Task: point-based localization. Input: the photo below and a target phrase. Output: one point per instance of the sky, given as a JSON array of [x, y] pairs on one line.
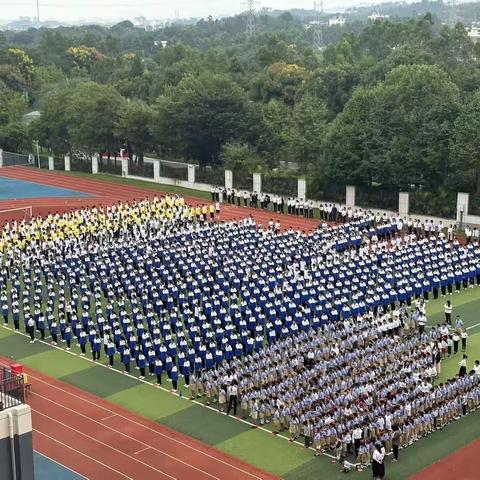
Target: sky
[[69, 10]]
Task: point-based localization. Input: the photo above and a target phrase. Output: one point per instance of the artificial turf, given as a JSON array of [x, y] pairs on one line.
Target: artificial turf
[[258, 447]]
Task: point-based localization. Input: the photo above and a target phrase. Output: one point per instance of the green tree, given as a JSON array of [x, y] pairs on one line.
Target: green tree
[[465, 151], [92, 113], [309, 126], [199, 115], [134, 128], [396, 133]]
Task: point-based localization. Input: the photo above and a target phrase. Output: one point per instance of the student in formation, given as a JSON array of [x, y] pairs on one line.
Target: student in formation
[[448, 312], [464, 336], [463, 366]]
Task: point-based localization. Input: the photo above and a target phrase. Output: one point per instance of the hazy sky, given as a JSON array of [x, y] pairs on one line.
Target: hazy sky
[[114, 9]]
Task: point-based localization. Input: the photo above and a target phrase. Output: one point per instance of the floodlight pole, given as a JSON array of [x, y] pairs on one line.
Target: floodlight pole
[[37, 144]]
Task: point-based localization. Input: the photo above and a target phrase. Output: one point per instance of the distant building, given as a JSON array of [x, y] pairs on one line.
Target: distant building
[[140, 22], [339, 21], [30, 117], [474, 32], [377, 16]]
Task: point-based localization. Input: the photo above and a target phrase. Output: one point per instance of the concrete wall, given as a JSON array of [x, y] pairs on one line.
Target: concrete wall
[[22, 428], [350, 193], [301, 188], [95, 164], [257, 182], [404, 203], [228, 179]]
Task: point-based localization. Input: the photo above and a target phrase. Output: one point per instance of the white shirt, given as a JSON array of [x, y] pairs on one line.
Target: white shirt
[[379, 456]]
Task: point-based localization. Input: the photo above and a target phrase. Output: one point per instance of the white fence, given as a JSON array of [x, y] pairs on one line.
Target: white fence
[[184, 175]]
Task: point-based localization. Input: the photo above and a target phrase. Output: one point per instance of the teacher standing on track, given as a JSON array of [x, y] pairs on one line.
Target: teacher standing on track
[[378, 461]]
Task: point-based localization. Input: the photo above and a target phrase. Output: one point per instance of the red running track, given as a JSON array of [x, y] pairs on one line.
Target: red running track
[[103, 441], [463, 464], [109, 193]]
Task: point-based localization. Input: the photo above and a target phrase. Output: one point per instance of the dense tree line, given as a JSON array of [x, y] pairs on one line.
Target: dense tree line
[[394, 105]]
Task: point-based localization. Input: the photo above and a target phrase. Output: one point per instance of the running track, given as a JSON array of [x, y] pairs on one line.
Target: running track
[[462, 464], [109, 193], [103, 441]]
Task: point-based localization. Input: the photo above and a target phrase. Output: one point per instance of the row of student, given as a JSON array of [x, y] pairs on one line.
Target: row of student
[[157, 216], [276, 203], [348, 384], [292, 319], [321, 309], [142, 260], [212, 313], [137, 234], [338, 213]]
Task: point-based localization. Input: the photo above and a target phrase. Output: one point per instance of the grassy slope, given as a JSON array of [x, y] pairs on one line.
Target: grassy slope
[[255, 446]]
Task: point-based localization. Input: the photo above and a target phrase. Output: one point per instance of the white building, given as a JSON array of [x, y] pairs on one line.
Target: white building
[[377, 16], [474, 32], [339, 21]]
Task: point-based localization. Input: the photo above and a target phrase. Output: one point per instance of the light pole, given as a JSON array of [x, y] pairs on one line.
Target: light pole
[[37, 144]]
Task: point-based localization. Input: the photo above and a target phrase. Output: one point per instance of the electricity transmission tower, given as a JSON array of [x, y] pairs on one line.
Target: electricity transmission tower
[[251, 26], [454, 18], [317, 26]]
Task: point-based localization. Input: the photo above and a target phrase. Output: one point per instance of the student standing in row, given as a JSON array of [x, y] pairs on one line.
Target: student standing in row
[[174, 378], [31, 329], [463, 366], [456, 339], [232, 395], [448, 312], [464, 336], [378, 461], [396, 438]]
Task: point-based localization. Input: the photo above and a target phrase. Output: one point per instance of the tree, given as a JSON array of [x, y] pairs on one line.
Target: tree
[[91, 114], [83, 118], [22, 61], [309, 126], [13, 136], [85, 57], [134, 128], [51, 129], [12, 106], [274, 139], [333, 84], [465, 147], [238, 156], [194, 119], [397, 132]]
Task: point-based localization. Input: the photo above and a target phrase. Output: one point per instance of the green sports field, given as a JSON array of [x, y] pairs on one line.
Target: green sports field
[[256, 446]]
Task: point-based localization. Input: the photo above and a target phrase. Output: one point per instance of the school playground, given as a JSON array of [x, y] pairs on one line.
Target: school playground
[[93, 422]]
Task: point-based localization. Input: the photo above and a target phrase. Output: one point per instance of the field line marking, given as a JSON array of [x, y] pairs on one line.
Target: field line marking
[[81, 453], [145, 445], [99, 441], [60, 464], [168, 391]]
